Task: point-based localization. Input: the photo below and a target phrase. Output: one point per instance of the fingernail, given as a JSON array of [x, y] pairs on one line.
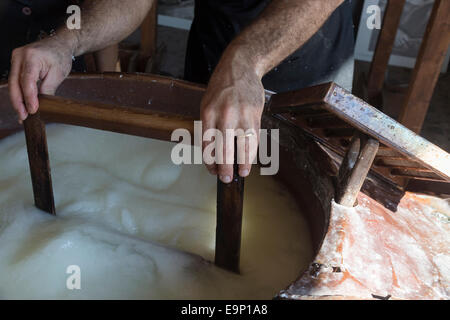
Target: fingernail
[[244, 173], [225, 179]]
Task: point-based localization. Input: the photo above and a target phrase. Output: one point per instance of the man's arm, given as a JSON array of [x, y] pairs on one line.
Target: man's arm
[[283, 27], [103, 23], [235, 95]]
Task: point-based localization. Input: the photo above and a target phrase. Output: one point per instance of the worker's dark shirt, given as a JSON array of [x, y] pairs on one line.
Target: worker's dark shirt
[[217, 22], [25, 21]]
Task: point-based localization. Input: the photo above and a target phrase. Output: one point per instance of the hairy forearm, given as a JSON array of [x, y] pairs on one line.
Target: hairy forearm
[[283, 27], [104, 23]]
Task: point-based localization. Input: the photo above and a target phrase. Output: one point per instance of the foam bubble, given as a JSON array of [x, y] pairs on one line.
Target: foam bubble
[[136, 225]]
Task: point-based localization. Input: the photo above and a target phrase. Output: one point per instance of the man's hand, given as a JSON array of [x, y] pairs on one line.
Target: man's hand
[[234, 100], [41, 67], [235, 96], [37, 68]]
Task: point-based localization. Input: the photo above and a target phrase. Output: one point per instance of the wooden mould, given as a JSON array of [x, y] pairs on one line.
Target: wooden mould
[[138, 122], [152, 106], [330, 115]]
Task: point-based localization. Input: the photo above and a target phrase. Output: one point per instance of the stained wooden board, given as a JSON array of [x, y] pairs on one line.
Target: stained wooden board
[[121, 119], [230, 205], [39, 163]]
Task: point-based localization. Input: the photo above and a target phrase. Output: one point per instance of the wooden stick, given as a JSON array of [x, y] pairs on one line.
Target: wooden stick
[[39, 163], [383, 49], [354, 168], [230, 199], [428, 67]]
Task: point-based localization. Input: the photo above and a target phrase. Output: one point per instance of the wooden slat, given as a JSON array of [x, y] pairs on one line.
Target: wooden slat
[[339, 132], [148, 37], [39, 163], [148, 31], [312, 112], [306, 98], [383, 49], [327, 122], [428, 65], [230, 201], [433, 187], [414, 170], [127, 120], [416, 177], [397, 161]]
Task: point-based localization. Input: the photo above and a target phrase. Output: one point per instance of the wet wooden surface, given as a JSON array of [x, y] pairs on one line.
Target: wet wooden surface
[[121, 119], [230, 205], [39, 163]]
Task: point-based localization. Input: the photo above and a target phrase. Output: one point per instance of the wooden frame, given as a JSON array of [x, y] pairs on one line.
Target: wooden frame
[[399, 153], [332, 99], [133, 121], [37, 149], [327, 99]]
